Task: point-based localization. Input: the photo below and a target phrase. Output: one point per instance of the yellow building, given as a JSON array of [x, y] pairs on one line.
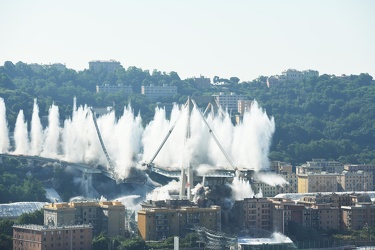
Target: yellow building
[[104, 216], [315, 182], [162, 220]]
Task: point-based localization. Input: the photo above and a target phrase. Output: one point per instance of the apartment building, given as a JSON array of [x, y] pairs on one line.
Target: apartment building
[[104, 216], [357, 216], [160, 220], [106, 88], [362, 167], [284, 212], [271, 191], [355, 181], [254, 213], [320, 165], [283, 169], [37, 237], [317, 182], [108, 66], [229, 101], [155, 92]]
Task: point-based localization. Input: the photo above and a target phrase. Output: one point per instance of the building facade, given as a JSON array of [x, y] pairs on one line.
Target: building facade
[[320, 165], [358, 216], [37, 237], [106, 88], [229, 101], [155, 92], [315, 182], [105, 216], [108, 66], [362, 167], [355, 181], [254, 214], [157, 221]]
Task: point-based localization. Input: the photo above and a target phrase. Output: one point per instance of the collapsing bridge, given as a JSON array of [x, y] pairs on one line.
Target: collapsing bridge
[[186, 174]]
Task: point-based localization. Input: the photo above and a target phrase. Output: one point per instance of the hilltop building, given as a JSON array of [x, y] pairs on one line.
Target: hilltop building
[[155, 92], [108, 66], [39, 67], [158, 220], [37, 237], [292, 75], [114, 88], [105, 216], [202, 82]]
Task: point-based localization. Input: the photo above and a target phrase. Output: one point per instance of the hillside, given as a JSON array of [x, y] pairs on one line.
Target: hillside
[[323, 117]]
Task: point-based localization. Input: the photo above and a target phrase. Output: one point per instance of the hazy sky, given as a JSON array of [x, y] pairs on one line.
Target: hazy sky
[[240, 38]]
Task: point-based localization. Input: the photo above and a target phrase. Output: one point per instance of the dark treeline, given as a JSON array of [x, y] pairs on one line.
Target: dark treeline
[[323, 117]]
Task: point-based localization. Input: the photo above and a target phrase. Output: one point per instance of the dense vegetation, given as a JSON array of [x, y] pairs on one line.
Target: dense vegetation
[[6, 230], [18, 184], [324, 117]]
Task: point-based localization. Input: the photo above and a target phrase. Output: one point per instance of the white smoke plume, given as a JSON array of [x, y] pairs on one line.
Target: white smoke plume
[[36, 131], [20, 135], [271, 179], [164, 192], [128, 142], [4, 132], [52, 134]]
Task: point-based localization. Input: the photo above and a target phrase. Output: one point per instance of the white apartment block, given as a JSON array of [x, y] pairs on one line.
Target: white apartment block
[[155, 92], [229, 101], [114, 88]]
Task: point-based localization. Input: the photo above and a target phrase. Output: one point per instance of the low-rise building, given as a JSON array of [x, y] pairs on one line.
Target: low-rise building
[[37, 237]]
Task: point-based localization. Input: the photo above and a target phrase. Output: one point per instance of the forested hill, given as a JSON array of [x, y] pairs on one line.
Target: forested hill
[[324, 117]]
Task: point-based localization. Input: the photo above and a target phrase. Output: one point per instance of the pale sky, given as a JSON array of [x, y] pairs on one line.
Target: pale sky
[[241, 38]]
